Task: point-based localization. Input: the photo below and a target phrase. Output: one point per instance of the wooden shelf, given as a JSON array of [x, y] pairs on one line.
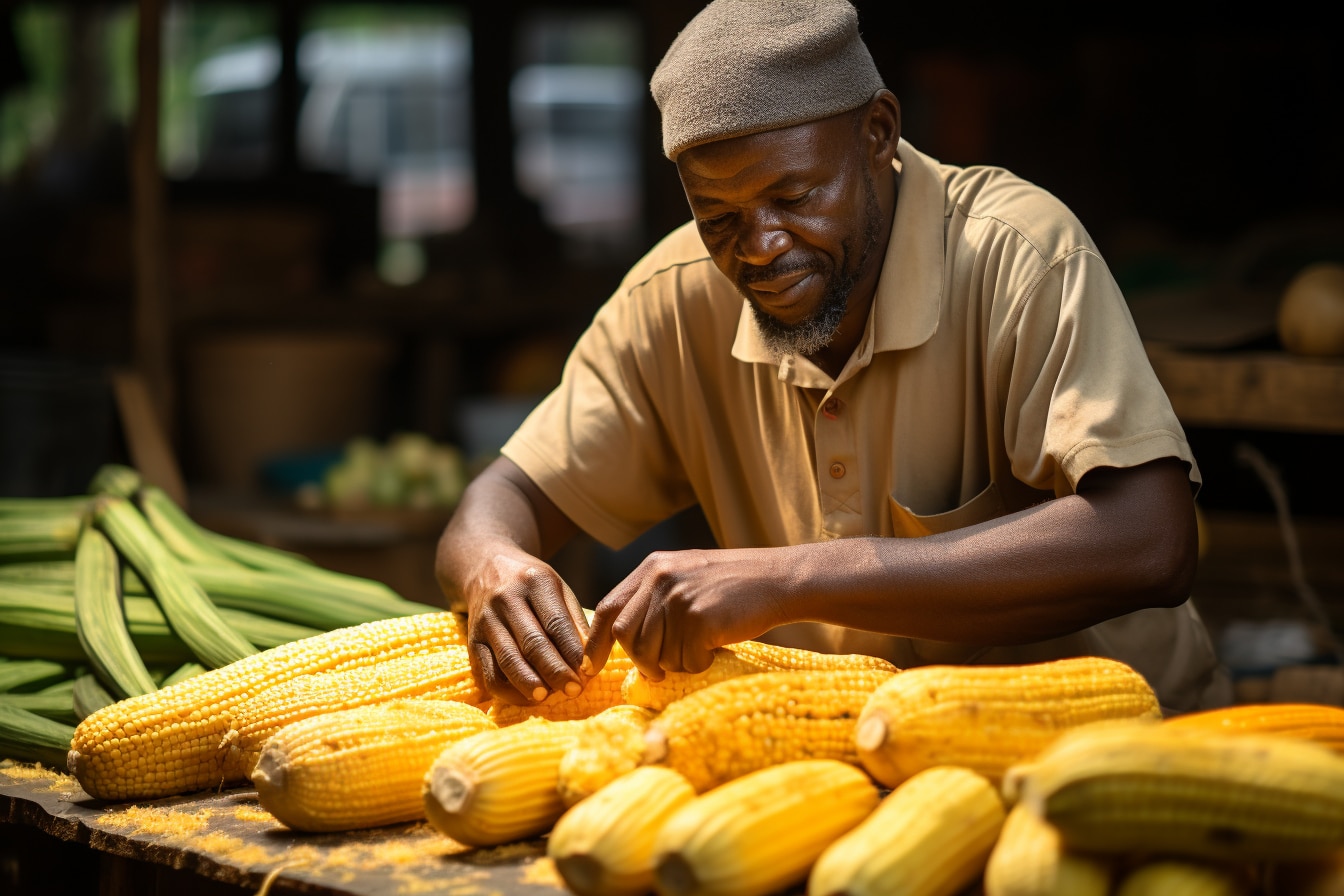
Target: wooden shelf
[[1254, 390]]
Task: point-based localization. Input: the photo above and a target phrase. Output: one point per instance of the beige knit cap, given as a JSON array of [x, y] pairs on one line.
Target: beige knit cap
[[745, 66]]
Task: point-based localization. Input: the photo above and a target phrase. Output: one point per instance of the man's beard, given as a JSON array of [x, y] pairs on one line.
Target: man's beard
[[807, 337]]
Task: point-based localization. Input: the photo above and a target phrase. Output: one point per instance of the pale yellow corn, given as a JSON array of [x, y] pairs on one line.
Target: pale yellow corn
[[603, 846], [1030, 860], [1310, 721], [987, 718], [760, 833], [737, 726], [602, 691], [930, 836], [610, 744], [444, 674], [499, 786], [733, 660], [1147, 787], [1181, 877], [361, 767], [176, 740]]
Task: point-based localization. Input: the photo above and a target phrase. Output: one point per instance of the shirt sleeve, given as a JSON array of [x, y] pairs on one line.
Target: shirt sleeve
[[1076, 387]]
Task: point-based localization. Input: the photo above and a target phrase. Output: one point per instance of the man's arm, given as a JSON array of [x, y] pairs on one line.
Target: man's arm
[[525, 627], [1127, 540]]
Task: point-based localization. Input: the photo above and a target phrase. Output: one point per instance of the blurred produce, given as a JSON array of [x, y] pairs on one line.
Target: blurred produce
[[1311, 311], [410, 470]]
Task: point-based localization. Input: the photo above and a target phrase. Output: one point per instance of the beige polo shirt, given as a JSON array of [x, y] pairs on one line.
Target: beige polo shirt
[[999, 364]]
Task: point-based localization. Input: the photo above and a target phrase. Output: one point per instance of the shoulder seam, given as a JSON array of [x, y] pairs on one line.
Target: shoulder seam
[[663, 270]]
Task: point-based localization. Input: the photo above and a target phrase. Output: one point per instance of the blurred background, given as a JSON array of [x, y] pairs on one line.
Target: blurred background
[[308, 263]]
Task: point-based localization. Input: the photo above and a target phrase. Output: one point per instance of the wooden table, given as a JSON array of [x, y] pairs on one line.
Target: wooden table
[[55, 839]]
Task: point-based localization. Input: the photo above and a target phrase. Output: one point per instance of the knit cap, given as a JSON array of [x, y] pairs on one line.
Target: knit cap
[[746, 66]]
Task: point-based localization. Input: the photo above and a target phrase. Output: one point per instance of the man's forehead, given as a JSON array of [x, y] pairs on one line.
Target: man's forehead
[[782, 151]]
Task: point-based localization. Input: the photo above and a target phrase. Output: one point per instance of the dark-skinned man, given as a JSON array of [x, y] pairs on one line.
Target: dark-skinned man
[[907, 396]]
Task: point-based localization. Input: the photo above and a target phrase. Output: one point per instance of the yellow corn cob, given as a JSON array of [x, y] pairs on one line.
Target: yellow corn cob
[[361, 767], [444, 674], [610, 744], [1311, 721], [761, 832], [603, 846], [723, 731], [1124, 787], [931, 835], [1179, 877], [176, 740], [1030, 860], [733, 660], [602, 691], [987, 718], [499, 786]]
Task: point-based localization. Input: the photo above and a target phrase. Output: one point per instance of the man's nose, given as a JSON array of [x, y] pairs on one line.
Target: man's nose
[[762, 240]]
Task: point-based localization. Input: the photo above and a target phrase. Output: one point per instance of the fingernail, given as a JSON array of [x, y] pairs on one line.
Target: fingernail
[[586, 667], [539, 694], [573, 689]]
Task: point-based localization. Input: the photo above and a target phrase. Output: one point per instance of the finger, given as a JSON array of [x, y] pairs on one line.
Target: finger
[[601, 638], [642, 647], [576, 613], [694, 651], [556, 617], [543, 669], [490, 677]]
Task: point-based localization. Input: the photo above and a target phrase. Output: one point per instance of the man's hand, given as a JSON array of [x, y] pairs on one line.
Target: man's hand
[[677, 606], [525, 630]]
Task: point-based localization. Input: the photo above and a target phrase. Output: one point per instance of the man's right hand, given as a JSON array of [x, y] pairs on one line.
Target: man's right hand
[[525, 631]]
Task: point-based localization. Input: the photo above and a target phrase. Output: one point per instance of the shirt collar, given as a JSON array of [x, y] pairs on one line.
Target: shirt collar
[[909, 292]]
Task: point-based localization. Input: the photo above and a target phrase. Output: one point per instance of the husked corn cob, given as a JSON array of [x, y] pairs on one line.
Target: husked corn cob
[[733, 660], [361, 767], [737, 726], [761, 832], [176, 740], [1180, 877], [610, 744], [28, 737], [930, 836], [1311, 721], [987, 718], [184, 603], [603, 846], [1145, 787], [100, 624], [443, 674], [499, 786], [602, 691], [1030, 860]]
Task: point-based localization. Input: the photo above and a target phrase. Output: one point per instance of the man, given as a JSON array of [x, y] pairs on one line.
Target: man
[[908, 397]]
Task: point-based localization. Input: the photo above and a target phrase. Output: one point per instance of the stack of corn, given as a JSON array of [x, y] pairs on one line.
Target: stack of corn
[[118, 593]]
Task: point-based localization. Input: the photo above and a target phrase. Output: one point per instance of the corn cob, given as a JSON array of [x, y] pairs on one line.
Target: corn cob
[[443, 674], [116, 479], [27, 737], [176, 740], [1145, 787], [1312, 721], [176, 529], [761, 832], [611, 744], [1181, 877], [733, 660], [88, 696], [602, 691], [100, 624], [55, 702], [728, 729], [21, 676], [1030, 860], [987, 718], [361, 767], [604, 845], [39, 536], [931, 835], [185, 605], [499, 786]]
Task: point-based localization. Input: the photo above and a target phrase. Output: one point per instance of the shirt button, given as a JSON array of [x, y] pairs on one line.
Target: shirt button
[[832, 407], [837, 470]]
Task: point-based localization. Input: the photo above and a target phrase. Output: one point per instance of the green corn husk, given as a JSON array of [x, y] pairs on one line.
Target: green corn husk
[[89, 696], [27, 737], [100, 622], [182, 673], [27, 507], [55, 702], [39, 536], [185, 604], [116, 479], [27, 675], [183, 536], [304, 600], [59, 575]]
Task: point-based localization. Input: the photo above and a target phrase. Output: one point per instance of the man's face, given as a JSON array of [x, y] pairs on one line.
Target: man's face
[[792, 218]]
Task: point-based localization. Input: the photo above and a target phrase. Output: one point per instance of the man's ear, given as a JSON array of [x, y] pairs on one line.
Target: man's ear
[[883, 128]]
